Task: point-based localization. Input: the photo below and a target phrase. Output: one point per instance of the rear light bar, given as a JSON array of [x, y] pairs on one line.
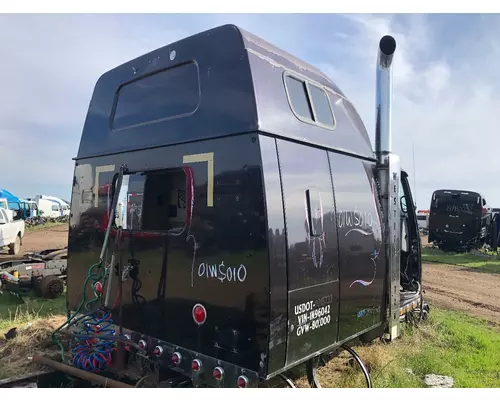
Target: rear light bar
[[196, 365], [176, 358], [218, 373], [127, 346], [242, 381], [158, 351]]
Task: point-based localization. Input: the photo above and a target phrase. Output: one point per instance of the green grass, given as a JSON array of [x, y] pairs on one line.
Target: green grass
[[449, 343], [472, 261], [12, 309], [459, 346], [48, 225], [35, 322]]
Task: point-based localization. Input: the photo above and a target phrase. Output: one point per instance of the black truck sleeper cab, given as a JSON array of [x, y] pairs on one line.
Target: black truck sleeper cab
[[248, 220]]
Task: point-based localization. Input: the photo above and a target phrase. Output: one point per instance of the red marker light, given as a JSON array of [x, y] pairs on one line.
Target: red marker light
[[158, 351], [176, 358], [126, 346], [199, 314], [242, 381], [196, 365], [143, 344], [218, 373], [98, 287]]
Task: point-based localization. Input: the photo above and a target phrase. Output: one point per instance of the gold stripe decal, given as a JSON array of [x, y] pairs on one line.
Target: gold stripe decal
[[99, 170], [209, 159]]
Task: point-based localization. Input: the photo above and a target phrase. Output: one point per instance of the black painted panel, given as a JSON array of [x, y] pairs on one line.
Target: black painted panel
[[362, 261]]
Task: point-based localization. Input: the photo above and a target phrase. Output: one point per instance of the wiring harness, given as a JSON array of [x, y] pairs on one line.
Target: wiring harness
[[94, 339], [90, 352]]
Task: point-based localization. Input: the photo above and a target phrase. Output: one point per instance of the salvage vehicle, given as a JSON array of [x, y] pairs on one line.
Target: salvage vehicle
[[44, 271], [423, 221], [64, 208], [257, 228], [34, 208], [11, 230], [12, 202], [460, 220], [48, 208]]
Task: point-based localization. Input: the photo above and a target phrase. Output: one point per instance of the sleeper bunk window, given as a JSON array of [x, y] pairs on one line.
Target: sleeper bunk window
[[309, 102], [167, 94]]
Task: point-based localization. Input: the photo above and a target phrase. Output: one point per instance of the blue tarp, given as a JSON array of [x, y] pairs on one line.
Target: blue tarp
[[15, 203], [8, 195]]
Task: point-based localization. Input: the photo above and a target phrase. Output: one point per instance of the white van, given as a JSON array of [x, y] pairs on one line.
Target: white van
[[64, 207], [48, 208], [423, 220]]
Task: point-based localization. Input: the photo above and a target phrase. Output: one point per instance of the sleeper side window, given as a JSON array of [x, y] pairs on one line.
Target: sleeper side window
[[153, 201], [309, 102], [321, 105], [298, 98]]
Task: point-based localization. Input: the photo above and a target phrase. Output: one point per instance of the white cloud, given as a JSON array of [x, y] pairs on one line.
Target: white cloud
[[447, 110], [446, 100], [50, 67]]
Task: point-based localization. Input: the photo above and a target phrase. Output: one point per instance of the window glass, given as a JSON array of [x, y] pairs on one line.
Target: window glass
[[169, 93], [321, 106], [402, 199], [298, 98], [152, 201], [309, 102]]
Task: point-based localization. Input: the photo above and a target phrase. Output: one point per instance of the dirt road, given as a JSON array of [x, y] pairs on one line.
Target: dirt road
[[476, 293], [445, 285]]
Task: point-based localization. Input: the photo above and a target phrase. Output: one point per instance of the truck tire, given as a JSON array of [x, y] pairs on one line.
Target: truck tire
[[15, 247], [50, 287]]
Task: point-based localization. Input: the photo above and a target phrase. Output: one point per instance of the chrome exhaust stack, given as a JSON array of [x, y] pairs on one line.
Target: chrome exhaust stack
[[389, 176], [383, 132]]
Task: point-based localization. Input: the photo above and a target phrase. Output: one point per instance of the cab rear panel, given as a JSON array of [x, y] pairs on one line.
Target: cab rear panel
[[221, 261]]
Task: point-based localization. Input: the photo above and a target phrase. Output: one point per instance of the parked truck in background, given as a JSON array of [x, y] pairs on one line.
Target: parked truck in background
[[62, 208], [460, 220], [48, 208], [423, 221], [11, 231]]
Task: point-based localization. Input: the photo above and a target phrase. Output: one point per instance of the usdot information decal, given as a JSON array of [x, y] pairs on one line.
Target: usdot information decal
[[313, 315]]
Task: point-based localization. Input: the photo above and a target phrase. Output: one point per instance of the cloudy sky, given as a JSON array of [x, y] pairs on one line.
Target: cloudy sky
[[446, 81]]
